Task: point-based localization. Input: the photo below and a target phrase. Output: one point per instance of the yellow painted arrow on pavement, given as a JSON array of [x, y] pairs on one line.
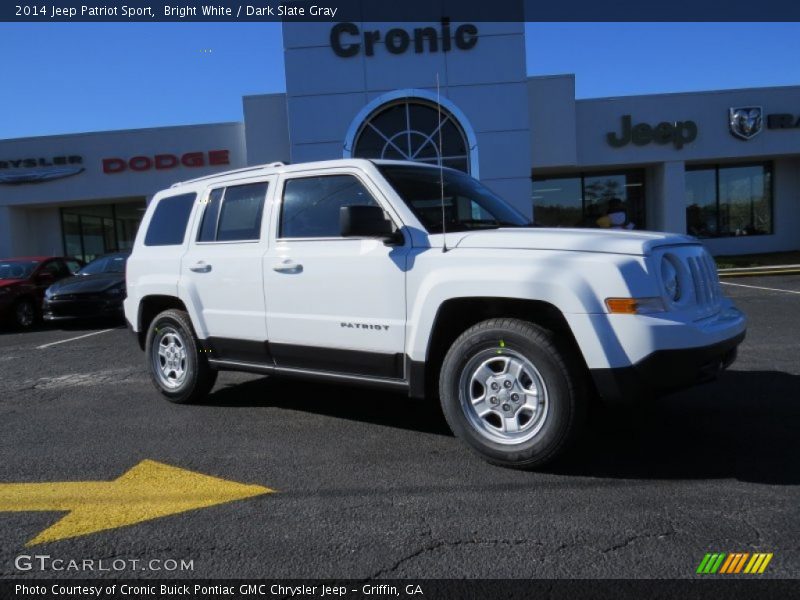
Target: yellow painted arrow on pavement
[[147, 491]]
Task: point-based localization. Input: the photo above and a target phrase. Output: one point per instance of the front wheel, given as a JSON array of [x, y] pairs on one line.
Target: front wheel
[[511, 393], [177, 368]]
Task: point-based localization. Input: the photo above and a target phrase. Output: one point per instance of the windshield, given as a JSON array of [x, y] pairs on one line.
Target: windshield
[[468, 204], [105, 264], [17, 269]]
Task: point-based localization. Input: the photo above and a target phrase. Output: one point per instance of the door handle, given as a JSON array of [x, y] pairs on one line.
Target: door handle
[[201, 267], [288, 266]]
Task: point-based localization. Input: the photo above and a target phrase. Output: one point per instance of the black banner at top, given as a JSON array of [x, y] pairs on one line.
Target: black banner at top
[[151, 11]]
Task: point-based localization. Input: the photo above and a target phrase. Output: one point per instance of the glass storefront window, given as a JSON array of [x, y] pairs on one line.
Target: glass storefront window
[[558, 202], [587, 200], [701, 202], [93, 230], [72, 235], [729, 201], [127, 217], [93, 238]]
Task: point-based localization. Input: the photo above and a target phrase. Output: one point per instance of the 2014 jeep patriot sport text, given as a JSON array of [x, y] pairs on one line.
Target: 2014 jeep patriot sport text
[[341, 271]]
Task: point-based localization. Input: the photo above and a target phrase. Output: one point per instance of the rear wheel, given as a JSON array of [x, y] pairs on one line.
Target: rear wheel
[[24, 313], [177, 367], [511, 393]]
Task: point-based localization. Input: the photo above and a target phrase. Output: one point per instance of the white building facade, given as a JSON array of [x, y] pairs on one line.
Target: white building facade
[[722, 165]]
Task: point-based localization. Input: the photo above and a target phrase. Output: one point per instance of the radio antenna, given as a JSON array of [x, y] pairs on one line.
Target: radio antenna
[[441, 166]]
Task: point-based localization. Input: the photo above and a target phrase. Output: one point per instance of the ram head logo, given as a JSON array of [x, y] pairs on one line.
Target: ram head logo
[[746, 121]]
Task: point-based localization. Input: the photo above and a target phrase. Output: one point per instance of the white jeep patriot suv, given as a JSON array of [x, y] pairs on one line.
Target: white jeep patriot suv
[[409, 277]]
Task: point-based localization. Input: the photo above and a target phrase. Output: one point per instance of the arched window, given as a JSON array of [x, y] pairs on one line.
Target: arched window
[[409, 129]]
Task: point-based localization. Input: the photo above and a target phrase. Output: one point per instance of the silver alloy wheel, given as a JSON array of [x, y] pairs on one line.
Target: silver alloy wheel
[[170, 358], [503, 396], [25, 314]]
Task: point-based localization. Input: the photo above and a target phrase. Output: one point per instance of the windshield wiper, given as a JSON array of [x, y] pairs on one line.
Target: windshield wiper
[[477, 223], [510, 224]]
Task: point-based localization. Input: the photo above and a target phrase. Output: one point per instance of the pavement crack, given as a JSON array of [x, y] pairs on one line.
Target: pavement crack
[[636, 538], [759, 536], [436, 545]]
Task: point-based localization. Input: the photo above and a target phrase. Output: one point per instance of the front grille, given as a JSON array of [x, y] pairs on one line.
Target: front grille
[[706, 284], [73, 297]]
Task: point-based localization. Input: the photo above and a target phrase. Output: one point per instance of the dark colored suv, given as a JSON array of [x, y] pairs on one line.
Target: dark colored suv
[[23, 282]]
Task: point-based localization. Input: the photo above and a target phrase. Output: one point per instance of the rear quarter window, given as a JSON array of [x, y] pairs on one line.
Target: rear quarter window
[[170, 218], [233, 214]]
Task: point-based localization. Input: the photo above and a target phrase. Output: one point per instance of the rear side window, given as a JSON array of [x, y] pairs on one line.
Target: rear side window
[[310, 207], [168, 225], [56, 268], [208, 228], [233, 214]]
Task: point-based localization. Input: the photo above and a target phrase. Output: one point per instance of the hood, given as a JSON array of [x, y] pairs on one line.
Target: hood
[[10, 282], [610, 241], [87, 284]]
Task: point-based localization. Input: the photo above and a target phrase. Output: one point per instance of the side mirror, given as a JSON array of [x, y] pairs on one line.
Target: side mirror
[[364, 221]]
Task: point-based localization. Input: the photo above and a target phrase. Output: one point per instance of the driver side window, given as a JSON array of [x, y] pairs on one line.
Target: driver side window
[[310, 207], [55, 269]]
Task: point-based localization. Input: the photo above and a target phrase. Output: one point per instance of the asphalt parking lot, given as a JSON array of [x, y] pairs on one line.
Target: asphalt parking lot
[[372, 485]]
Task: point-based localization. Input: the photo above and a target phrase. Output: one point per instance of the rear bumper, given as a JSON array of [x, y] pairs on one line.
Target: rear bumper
[[665, 371]]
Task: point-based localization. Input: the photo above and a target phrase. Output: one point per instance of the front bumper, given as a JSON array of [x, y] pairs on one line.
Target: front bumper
[[665, 371], [81, 308]]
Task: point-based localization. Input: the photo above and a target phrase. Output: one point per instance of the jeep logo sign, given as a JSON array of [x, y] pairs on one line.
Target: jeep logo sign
[[347, 39], [676, 133]]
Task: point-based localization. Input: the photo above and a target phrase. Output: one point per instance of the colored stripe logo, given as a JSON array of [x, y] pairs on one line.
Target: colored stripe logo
[[734, 563]]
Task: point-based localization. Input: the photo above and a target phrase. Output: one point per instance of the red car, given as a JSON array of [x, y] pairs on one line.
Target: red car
[[23, 282]]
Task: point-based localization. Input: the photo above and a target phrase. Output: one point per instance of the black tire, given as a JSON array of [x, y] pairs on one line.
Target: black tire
[[25, 314], [198, 376], [555, 413]]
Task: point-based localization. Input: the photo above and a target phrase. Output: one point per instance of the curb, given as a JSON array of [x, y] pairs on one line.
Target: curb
[[757, 271]]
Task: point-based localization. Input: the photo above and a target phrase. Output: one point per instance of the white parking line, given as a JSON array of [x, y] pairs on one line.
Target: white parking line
[[758, 287], [80, 337]]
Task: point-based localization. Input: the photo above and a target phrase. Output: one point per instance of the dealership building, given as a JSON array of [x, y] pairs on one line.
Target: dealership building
[[721, 165]]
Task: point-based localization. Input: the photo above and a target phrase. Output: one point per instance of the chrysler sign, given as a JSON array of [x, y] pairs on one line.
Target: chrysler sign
[[38, 170]]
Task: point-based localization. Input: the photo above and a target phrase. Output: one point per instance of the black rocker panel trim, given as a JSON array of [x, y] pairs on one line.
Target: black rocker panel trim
[[335, 360], [238, 350]]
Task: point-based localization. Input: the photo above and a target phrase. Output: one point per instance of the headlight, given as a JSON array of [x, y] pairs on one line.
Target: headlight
[[670, 279], [116, 292], [48, 293]]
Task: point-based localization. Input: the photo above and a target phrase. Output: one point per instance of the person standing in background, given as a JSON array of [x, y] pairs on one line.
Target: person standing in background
[[616, 217]]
